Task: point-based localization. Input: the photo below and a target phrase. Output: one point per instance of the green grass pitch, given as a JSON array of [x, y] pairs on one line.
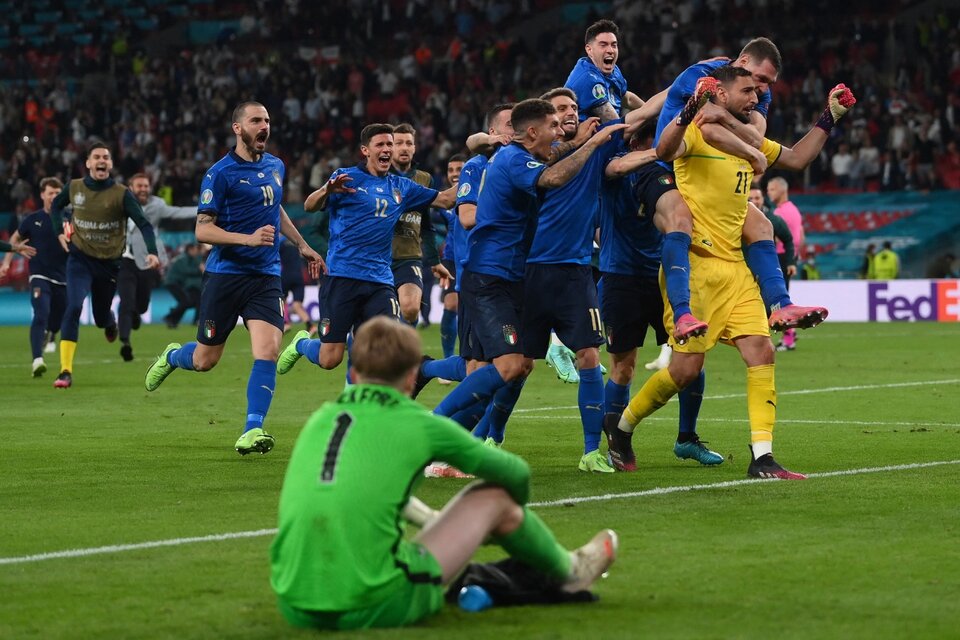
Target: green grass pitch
[[870, 554]]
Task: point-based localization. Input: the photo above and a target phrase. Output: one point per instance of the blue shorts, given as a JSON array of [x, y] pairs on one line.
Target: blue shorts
[[452, 283], [226, 297], [652, 182], [469, 346], [407, 272], [346, 303], [494, 314], [628, 306], [293, 286], [561, 297]]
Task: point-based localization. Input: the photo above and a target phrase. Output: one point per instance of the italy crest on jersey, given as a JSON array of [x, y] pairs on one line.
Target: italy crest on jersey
[[396, 196], [276, 178], [509, 334]]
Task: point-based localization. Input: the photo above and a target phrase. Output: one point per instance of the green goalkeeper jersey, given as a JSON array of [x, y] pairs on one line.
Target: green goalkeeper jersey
[[354, 466]]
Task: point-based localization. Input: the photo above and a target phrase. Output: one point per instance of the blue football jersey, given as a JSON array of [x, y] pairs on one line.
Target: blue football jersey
[[507, 211], [684, 86], [471, 177], [361, 223], [569, 214], [629, 241], [449, 219], [593, 87], [244, 196], [50, 263]]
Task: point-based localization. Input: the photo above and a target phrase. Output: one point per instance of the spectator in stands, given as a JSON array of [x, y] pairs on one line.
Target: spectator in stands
[[886, 264], [946, 266], [867, 267], [948, 167], [840, 164]]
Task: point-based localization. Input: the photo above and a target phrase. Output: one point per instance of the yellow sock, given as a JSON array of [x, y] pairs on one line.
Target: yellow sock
[[654, 393], [761, 405], [67, 349]]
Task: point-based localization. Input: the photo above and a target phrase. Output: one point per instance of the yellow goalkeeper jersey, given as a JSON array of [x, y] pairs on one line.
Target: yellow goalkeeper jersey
[[715, 186]]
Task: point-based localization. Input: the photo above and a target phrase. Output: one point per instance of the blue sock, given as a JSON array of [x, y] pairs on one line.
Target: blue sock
[[690, 399], [310, 349], [448, 333], [479, 385], [260, 387], [500, 409], [762, 259], [675, 258], [615, 397], [349, 349], [450, 368], [469, 417], [590, 399], [182, 358]]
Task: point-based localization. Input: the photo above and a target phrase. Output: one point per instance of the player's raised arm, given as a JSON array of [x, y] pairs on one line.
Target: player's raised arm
[[628, 163], [839, 101], [560, 173], [671, 145], [649, 110], [336, 184], [445, 199]]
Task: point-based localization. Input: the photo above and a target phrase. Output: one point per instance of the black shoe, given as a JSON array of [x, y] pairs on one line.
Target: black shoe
[[422, 380], [126, 352], [766, 467], [137, 321], [619, 446], [111, 332]]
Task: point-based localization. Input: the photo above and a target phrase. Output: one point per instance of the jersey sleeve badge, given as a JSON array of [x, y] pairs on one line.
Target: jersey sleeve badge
[[599, 91], [206, 197], [464, 190]]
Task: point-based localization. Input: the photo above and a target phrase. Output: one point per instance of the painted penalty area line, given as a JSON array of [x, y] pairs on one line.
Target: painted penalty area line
[[658, 491]]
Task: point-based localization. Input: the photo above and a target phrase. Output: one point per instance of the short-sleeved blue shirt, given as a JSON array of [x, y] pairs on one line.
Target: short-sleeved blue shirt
[[244, 196], [593, 87], [361, 223], [507, 210]]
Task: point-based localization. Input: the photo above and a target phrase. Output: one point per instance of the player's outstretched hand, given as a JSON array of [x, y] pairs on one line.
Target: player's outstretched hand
[[710, 113], [153, 262], [604, 134], [315, 263], [64, 242], [706, 88], [586, 130], [262, 237], [24, 249], [759, 162], [839, 101], [339, 184]]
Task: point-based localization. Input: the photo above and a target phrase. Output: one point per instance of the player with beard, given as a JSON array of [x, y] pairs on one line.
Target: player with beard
[[364, 203], [241, 216], [409, 254], [95, 238], [716, 183]]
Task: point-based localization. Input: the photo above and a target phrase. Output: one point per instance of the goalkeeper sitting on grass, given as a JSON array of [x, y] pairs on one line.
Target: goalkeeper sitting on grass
[[340, 559]]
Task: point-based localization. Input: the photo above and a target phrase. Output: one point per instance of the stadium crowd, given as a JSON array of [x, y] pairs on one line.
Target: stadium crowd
[[154, 86]]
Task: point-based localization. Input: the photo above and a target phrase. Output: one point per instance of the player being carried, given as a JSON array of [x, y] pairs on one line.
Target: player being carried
[[716, 184]]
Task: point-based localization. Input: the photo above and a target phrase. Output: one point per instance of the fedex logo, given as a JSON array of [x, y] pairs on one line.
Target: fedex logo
[[938, 301]]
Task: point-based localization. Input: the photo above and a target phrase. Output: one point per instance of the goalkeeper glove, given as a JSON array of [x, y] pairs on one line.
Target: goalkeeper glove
[[706, 89], [839, 101]]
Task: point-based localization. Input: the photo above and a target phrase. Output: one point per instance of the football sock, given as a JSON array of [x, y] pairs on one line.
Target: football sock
[[761, 407], [450, 368], [448, 333], [691, 397], [654, 393], [67, 349], [260, 387], [675, 258], [534, 543], [469, 418], [500, 408], [615, 397], [349, 348], [310, 349], [590, 399], [182, 358], [762, 259], [479, 385]]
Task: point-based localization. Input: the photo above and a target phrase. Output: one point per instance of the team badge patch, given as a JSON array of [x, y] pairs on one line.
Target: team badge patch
[[533, 165], [464, 190], [79, 199], [509, 334], [276, 178], [599, 91], [396, 196], [209, 329], [325, 326], [206, 197], [665, 180]]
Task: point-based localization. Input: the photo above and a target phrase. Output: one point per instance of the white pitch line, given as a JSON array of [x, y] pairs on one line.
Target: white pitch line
[[796, 392], [658, 491]]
